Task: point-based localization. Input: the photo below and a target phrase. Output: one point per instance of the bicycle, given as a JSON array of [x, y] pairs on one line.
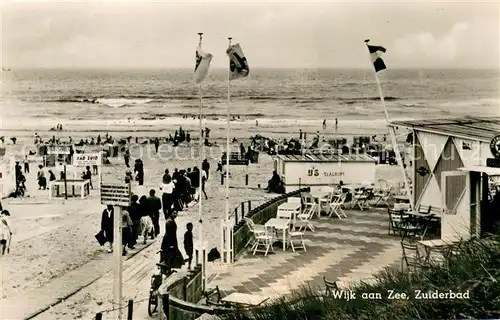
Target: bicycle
[[156, 282]]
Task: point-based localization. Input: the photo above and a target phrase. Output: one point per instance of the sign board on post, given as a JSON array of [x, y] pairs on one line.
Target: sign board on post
[[58, 150], [116, 194], [87, 159]]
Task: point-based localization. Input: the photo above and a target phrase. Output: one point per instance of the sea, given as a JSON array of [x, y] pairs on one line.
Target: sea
[[33, 99]]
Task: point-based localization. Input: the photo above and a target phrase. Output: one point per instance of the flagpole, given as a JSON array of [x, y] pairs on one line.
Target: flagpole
[[200, 198], [228, 123], [392, 134]]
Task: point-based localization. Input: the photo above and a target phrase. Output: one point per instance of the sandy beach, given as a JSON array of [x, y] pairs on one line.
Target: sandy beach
[[53, 238]]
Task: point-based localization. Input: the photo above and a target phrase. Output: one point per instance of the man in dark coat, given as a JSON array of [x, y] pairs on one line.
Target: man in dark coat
[[107, 225], [205, 166], [135, 215], [139, 171], [154, 207]]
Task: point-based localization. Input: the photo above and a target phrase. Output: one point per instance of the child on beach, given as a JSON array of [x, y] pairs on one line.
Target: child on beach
[[188, 243], [5, 231]]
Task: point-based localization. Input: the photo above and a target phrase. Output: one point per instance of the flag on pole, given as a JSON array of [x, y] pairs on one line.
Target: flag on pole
[[202, 65], [375, 52], [238, 64]]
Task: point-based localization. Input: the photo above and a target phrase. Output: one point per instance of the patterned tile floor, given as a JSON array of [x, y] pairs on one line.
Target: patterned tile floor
[[346, 250]]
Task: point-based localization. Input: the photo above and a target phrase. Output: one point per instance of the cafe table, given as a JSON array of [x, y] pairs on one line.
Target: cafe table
[[439, 244], [279, 224], [290, 207]]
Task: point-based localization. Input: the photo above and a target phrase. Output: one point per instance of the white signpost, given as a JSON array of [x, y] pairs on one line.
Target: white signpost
[[58, 150], [89, 159], [117, 195]]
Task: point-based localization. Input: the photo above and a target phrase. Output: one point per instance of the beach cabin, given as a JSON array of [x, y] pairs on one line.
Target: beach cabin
[[310, 170], [456, 169]]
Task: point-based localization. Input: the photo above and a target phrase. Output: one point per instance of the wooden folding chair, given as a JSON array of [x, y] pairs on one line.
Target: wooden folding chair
[[411, 256], [336, 206]]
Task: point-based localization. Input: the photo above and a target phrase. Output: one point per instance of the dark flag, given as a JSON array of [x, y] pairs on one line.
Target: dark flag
[[238, 64], [375, 52]]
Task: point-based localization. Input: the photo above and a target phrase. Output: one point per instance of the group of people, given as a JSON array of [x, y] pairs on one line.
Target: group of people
[[141, 218], [183, 187]]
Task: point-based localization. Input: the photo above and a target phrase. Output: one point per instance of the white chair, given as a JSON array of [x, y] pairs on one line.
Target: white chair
[[309, 203], [315, 190], [306, 215], [327, 189], [296, 236], [325, 202], [255, 229], [264, 241], [282, 214], [360, 198], [336, 206], [293, 200]]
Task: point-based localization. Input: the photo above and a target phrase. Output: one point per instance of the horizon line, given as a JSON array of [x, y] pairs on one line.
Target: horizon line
[[10, 68]]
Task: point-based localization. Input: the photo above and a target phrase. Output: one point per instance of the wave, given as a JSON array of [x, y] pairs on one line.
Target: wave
[[160, 116], [144, 99], [122, 102]]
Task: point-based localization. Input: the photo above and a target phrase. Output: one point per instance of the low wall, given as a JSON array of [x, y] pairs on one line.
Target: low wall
[[259, 215], [179, 296]]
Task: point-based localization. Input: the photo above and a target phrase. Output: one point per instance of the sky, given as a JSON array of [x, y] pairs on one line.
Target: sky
[[286, 34]]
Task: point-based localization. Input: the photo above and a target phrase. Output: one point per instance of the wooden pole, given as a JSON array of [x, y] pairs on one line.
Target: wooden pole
[[117, 259], [65, 183], [130, 311], [228, 123], [392, 134], [200, 197]]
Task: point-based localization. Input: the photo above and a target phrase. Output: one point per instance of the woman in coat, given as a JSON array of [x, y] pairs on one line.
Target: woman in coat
[[107, 225]]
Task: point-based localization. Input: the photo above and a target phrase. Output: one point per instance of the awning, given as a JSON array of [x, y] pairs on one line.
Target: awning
[[488, 170]]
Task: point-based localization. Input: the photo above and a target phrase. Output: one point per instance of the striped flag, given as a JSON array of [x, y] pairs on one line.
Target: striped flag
[[202, 65], [238, 64], [375, 52]]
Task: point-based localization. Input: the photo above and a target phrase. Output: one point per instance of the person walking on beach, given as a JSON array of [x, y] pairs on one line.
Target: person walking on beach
[[154, 207], [107, 225], [26, 165], [5, 231], [336, 123], [157, 144], [205, 166], [203, 180], [135, 215], [324, 124], [139, 171], [88, 176], [168, 195], [126, 157], [188, 243], [127, 232], [42, 181], [170, 254]]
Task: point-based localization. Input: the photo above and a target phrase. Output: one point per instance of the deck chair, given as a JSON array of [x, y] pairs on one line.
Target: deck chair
[[336, 206]]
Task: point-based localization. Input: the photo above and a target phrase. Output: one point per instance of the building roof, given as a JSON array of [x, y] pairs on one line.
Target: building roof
[[473, 128], [325, 157]]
